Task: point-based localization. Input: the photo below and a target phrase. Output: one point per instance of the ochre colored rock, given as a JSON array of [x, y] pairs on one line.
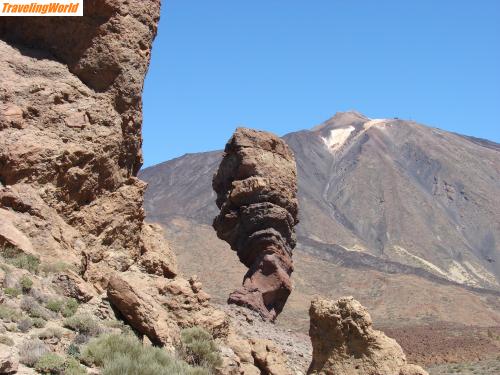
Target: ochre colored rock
[[159, 308], [256, 186], [344, 342]]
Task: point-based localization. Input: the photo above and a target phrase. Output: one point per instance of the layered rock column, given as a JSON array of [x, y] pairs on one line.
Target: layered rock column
[[256, 186]]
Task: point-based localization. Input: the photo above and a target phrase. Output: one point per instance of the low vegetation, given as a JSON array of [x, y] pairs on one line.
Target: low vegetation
[[24, 325], [12, 292], [65, 306], [51, 363], [31, 351], [51, 332], [198, 348], [6, 340], [26, 284], [8, 314], [83, 324], [20, 260], [34, 309], [125, 355], [56, 267]]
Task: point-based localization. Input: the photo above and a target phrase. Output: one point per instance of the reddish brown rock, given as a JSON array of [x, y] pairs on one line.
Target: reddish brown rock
[[344, 342], [256, 186], [70, 138]]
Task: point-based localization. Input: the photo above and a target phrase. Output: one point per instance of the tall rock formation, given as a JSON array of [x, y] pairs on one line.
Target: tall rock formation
[[344, 342], [256, 186], [70, 138]]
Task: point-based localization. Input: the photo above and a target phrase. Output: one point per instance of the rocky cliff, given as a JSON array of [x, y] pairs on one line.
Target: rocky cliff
[[256, 186], [70, 144]]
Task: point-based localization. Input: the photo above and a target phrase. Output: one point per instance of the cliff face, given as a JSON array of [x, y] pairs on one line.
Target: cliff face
[[256, 186], [70, 138]]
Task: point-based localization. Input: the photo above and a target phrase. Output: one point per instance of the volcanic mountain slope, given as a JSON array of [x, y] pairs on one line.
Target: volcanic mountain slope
[[402, 216]]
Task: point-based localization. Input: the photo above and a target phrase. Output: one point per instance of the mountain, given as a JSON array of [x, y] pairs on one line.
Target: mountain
[[390, 211]]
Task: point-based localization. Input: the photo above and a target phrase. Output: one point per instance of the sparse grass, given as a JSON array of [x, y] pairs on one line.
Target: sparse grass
[[125, 355], [83, 324], [26, 284], [118, 324], [31, 351], [199, 348], [34, 309], [9, 314], [12, 292], [24, 325], [6, 340], [67, 307], [20, 260], [39, 322], [51, 332], [55, 267]]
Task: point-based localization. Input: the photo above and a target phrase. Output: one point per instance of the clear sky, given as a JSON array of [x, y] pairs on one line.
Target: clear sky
[[287, 65]]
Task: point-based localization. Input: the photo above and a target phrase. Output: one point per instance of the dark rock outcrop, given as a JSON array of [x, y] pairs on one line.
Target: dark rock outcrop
[[256, 186], [344, 342]]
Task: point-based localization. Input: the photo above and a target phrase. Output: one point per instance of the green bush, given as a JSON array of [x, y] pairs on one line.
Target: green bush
[[125, 355], [50, 363], [26, 284], [83, 324], [39, 322], [73, 367], [199, 348], [31, 351], [24, 325], [12, 292], [54, 305], [6, 340], [69, 308], [9, 314], [20, 260]]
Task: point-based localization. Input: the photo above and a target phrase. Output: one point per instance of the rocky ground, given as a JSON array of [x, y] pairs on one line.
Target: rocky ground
[[488, 367]]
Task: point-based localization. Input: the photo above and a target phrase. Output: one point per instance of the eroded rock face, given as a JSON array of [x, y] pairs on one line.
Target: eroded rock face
[[159, 307], [256, 186], [70, 138], [344, 342]]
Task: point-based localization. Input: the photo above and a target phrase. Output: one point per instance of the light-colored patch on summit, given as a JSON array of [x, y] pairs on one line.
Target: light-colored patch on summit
[[337, 137], [420, 261], [380, 122]]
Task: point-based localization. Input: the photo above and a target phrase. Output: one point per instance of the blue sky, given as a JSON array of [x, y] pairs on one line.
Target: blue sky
[[287, 65]]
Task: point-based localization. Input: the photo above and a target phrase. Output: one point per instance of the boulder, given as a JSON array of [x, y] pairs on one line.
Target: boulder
[[9, 359], [159, 308], [345, 342]]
